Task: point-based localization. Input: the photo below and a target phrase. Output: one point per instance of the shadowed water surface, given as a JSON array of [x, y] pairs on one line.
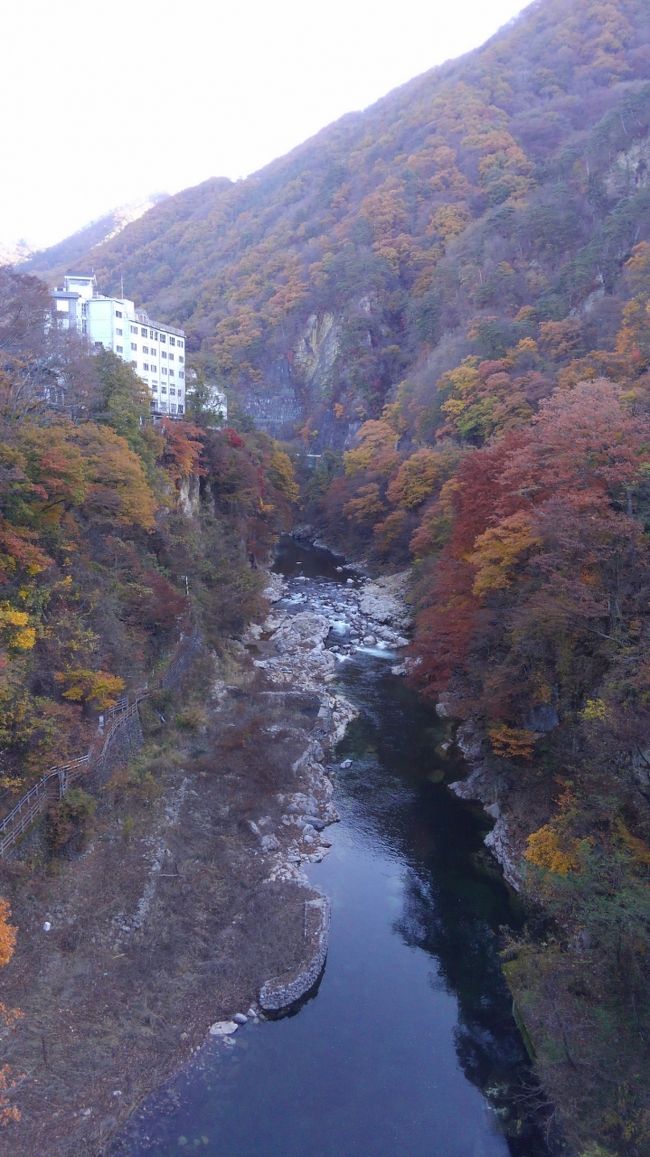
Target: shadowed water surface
[[408, 1047]]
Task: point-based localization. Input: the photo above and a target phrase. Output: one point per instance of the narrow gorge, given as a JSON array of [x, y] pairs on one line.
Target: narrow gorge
[[406, 1041]]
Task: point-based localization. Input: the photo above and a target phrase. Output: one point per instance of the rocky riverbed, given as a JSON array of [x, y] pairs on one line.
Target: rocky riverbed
[[411, 989], [188, 906]]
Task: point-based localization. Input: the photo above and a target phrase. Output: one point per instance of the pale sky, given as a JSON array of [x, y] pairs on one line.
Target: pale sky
[[104, 103]]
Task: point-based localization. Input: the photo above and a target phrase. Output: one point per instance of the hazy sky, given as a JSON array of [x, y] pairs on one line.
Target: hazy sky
[[105, 103]]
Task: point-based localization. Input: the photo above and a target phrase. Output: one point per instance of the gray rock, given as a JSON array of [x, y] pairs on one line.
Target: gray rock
[[316, 823], [383, 600], [222, 1028], [269, 843], [302, 804], [240, 1018], [345, 764]]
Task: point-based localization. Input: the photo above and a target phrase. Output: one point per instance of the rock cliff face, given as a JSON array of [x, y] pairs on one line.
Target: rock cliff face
[[300, 384], [503, 840], [630, 171], [317, 350], [277, 412]]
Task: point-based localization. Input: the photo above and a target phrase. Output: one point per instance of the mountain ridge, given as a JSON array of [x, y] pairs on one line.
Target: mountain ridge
[[377, 217], [53, 260]]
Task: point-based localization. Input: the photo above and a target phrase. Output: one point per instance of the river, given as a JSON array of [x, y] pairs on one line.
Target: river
[[408, 1046]]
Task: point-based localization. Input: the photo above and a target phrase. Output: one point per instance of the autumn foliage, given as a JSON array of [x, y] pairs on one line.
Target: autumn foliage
[[8, 1111], [7, 934], [100, 564]]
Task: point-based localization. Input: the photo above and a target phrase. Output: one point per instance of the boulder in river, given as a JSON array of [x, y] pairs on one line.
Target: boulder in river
[[223, 1028]]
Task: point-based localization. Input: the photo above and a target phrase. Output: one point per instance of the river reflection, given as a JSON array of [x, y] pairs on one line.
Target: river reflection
[[408, 1047]]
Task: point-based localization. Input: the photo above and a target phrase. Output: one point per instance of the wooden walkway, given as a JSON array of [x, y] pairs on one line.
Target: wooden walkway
[[52, 786]]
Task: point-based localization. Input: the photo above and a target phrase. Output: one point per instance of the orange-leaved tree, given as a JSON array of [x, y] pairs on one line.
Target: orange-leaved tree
[[8, 1112]]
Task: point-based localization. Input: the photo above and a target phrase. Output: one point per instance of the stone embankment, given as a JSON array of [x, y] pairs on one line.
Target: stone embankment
[[278, 993]]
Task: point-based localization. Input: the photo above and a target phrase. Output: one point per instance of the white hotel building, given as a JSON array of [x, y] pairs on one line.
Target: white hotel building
[[156, 352]]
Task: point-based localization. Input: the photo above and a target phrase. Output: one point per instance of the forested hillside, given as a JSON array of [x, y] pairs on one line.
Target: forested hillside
[[449, 295], [104, 554], [422, 231]]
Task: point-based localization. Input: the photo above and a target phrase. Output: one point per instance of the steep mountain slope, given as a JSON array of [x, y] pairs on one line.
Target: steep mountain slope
[[460, 277], [513, 178]]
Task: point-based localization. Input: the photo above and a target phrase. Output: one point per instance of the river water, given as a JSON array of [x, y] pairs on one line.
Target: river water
[[408, 1047]]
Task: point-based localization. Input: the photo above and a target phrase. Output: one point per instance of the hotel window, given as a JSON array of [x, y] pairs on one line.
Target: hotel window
[[181, 359], [153, 335], [134, 329], [145, 349], [162, 337], [118, 312], [180, 341], [145, 366], [171, 357], [172, 341], [172, 407], [118, 348], [180, 409], [171, 373], [172, 390], [163, 353], [118, 331], [143, 331], [181, 373], [163, 389], [134, 345]]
